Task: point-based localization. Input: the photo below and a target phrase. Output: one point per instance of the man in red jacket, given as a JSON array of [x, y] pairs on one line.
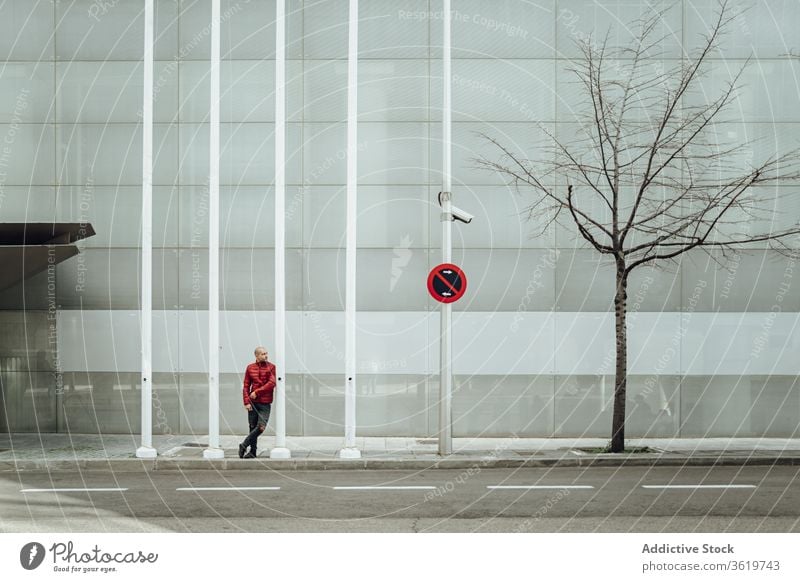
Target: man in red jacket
[[259, 384]]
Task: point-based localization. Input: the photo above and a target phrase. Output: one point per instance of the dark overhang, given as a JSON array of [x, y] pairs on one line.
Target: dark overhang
[[28, 248]]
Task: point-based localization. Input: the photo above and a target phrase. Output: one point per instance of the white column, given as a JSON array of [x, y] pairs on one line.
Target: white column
[[146, 450], [446, 349], [279, 358], [350, 451], [213, 451]]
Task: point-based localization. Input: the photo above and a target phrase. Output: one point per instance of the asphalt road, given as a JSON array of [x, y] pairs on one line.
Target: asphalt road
[[634, 499]]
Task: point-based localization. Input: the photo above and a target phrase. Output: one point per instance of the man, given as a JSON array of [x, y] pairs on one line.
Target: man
[[259, 385]]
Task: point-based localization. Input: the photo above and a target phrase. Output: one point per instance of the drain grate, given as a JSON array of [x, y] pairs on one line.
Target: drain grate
[[427, 441], [198, 445]]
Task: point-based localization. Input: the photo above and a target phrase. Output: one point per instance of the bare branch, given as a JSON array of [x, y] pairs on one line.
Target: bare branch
[[653, 157]]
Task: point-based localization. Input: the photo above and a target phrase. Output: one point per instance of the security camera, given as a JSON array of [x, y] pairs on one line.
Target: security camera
[[461, 215], [455, 212]]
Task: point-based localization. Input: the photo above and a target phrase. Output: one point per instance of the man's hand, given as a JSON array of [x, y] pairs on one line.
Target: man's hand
[[252, 396], [248, 407]]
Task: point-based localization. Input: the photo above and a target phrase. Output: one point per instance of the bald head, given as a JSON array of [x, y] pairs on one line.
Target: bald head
[[260, 353]]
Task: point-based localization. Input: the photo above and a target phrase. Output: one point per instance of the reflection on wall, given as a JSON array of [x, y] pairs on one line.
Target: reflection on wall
[[28, 386]]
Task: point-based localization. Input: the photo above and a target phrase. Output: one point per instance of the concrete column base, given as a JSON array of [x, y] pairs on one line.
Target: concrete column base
[[213, 454], [350, 453], [146, 453], [280, 453]]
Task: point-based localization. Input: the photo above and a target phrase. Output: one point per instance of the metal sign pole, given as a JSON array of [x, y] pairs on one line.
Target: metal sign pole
[[446, 354], [146, 450], [350, 451], [280, 451], [213, 451]]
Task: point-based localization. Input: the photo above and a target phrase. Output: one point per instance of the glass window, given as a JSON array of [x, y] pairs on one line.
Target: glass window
[[105, 31], [508, 30], [583, 406], [26, 93], [115, 214], [739, 406], [502, 406], [578, 20], [386, 29], [760, 28], [502, 279], [499, 90], [26, 31], [101, 278]]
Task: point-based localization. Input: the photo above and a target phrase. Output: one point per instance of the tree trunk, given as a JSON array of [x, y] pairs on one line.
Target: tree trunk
[[621, 379]]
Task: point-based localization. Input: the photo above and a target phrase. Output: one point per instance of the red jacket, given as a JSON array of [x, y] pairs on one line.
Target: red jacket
[[259, 378]]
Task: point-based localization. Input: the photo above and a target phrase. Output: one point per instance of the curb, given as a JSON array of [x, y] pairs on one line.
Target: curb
[[398, 464]]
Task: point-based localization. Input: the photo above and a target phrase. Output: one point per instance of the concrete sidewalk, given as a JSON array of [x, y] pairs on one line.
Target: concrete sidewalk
[[185, 452]]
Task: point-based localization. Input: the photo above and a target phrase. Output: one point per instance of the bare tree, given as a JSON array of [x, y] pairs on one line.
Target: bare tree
[[650, 176]]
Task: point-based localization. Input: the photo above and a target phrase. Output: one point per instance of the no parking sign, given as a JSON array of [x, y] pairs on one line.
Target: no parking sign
[[447, 283]]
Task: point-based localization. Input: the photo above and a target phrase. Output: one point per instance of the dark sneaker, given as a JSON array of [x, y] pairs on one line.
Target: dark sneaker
[[242, 449], [250, 455]]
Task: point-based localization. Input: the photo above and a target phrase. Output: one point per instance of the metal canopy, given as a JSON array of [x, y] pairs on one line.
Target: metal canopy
[[28, 248], [42, 233]]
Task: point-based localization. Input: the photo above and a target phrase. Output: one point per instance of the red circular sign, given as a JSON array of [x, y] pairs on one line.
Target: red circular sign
[[447, 283]]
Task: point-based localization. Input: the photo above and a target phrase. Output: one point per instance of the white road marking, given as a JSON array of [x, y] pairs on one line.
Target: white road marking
[[699, 486], [74, 490], [227, 489], [539, 487], [388, 488]]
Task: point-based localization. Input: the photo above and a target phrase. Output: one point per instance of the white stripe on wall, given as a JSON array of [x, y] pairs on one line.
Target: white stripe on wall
[[399, 343]]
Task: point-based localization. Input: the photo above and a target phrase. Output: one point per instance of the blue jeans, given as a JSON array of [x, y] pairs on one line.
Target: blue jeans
[[257, 418]]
